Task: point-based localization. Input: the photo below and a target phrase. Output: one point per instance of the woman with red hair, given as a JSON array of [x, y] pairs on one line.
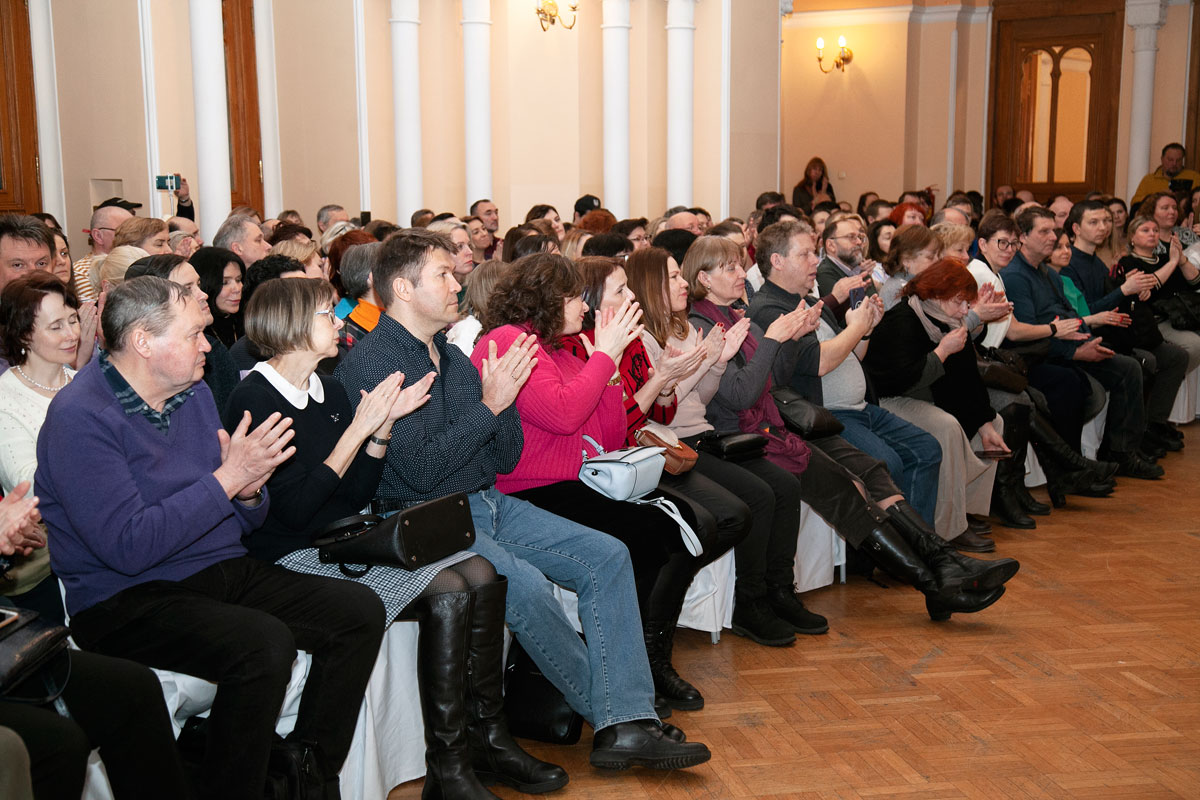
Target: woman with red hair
[[923, 365], [908, 214]]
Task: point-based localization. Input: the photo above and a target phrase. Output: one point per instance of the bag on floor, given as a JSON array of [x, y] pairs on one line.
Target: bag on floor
[[534, 706]]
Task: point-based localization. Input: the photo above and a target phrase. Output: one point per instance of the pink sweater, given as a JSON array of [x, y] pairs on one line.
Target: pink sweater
[[563, 399]]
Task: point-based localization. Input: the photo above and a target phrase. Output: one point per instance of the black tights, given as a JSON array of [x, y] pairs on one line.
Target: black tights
[[461, 577]]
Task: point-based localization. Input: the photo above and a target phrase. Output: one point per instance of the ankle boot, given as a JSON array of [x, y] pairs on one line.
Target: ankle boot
[[941, 606], [495, 756], [677, 692], [441, 674], [1007, 504], [953, 570], [1052, 449]]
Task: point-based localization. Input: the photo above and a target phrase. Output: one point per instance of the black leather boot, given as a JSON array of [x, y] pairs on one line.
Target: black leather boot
[[1052, 449], [1007, 503], [953, 570], [442, 674], [892, 554], [495, 756], [660, 642]]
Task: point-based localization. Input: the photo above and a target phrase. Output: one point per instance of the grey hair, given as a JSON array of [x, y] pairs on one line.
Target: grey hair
[[325, 212], [355, 269], [146, 302], [233, 229]]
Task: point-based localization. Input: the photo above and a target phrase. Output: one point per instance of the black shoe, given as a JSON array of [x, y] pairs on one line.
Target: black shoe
[[940, 607], [661, 707], [954, 571], [643, 743], [1007, 508], [1153, 438], [673, 733], [754, 619], [969, 542], [1131, 465], [1031, 504], [1165, 430], [788, 607]]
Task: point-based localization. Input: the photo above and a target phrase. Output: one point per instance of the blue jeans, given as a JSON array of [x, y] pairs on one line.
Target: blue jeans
[[912, 455], [608, 679]]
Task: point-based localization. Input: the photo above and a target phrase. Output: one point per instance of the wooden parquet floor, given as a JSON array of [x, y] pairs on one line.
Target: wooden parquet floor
[[1081, 682]]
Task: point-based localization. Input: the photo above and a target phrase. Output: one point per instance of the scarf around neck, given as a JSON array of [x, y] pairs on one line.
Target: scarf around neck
[[927, 311]]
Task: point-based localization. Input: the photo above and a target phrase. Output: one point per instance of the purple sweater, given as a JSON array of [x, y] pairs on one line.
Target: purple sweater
[[126, 504]]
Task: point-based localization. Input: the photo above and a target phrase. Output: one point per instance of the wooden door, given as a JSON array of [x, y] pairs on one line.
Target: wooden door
[[1055, 75], [241, 84], [19, 179]]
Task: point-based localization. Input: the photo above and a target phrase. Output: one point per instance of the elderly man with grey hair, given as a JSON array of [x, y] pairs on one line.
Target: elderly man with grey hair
[[102, 228], [147, 500], [330, 215], [241, 234]]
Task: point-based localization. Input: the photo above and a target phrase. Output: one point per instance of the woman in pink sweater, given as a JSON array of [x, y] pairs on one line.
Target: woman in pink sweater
[[568, 397]]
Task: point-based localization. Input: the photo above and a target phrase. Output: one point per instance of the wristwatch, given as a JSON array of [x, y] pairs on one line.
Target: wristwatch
[[1053, 329]]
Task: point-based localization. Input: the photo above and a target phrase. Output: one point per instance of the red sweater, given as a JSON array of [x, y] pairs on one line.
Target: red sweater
[[563, 399], [635, 371]]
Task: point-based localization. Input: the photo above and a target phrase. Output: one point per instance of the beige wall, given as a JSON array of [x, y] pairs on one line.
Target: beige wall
[[754, 126]]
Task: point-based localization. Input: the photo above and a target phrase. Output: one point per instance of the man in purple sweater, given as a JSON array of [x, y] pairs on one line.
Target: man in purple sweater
[[147, 499]]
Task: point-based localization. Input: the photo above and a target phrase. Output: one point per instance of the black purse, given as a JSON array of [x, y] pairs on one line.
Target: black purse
[[732, 446], [1002, 369], [29, 646], [409, 539], [803, 417], [534, 707]]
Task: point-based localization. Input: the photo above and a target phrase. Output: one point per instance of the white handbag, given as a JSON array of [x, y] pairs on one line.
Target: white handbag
[[629, 475]]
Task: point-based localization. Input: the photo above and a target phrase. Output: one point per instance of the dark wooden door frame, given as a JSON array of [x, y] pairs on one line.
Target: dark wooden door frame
[[1192, 136], [241, 83], [20, 191], [1019, 25]]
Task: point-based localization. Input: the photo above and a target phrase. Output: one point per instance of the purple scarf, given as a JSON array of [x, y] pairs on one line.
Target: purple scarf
[[784, 448]]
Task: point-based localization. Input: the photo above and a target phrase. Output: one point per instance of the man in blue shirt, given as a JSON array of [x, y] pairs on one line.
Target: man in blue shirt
[[1036, 293]]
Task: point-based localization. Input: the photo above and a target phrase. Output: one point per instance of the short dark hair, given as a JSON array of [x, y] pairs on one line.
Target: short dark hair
[[144, 301], [628, 226], [474, 206], [529, 245], [539, 211], [996, 221], [403, 255], [1174, 146], [287, 230], [160, 265], [607, 244], [1075, 216], [26, 228], [261, 271], [415, 219], [1029, 217], [19, 304], [768, 199], [676, 242], [874, 206], [725, 228], [698, 210], [533, 291], [776, 213]]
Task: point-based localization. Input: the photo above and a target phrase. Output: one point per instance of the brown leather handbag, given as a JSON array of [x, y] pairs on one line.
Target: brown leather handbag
[[680, 457]]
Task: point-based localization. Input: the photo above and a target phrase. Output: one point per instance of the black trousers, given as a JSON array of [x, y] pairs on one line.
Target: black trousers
[[116, 706], [1121, 376], [238, 624], [829, 486], [1066, 389], [1166, 365], [765, 557]]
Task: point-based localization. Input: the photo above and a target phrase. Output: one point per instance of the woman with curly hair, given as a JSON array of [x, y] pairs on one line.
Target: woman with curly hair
[[568, 398]]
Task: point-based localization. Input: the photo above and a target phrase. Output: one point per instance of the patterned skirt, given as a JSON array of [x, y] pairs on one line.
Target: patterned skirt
[[396, 587]]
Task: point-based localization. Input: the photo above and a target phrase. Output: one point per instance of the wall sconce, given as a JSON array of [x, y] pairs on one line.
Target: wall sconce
[[547, 14], [844, 57]]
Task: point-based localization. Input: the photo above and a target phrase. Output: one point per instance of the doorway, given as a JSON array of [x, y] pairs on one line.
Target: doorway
[[241, 85]]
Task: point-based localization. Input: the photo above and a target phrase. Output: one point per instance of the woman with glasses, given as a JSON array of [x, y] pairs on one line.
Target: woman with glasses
[[914, 249]]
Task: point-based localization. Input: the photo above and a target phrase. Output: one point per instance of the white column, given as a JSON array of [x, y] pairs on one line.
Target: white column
[[45, 96], [681, 65], [212, 115], [726, 105], [150, 106], [615, 27], [406, 106], [1145, 17], [477, 97], [360, 97], [268, 106]]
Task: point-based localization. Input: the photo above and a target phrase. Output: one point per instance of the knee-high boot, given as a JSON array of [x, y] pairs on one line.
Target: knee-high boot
[[1067, 471], [442, 671], [953, 570], [1008, 505], [495, 755], [660, 617]]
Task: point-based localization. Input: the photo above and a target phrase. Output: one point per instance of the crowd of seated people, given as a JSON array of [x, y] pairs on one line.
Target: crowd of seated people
[[179, 422]]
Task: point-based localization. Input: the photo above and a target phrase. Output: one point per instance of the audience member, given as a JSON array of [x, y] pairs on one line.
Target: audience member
[[330, 215], [1172, 175], [241, 234], [814, 188], [103, 226], [550, 214]]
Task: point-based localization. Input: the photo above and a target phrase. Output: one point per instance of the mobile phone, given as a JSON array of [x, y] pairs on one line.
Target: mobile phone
[[993, 455], [857, 296], [166, 183], [8, 615]]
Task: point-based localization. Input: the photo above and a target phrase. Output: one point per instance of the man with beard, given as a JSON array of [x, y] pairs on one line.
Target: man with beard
[[843, 242]]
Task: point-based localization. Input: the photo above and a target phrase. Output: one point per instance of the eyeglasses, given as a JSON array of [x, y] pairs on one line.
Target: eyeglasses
[[857, 237], [1006, 244], [328, 312]]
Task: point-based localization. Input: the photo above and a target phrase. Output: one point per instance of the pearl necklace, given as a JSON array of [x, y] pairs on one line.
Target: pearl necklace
[[66, 380]]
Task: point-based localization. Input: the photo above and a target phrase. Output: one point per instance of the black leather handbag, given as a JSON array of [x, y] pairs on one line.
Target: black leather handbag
[[410, 539], [535, 708], [29, 646], [732, 446], [803, 416]]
